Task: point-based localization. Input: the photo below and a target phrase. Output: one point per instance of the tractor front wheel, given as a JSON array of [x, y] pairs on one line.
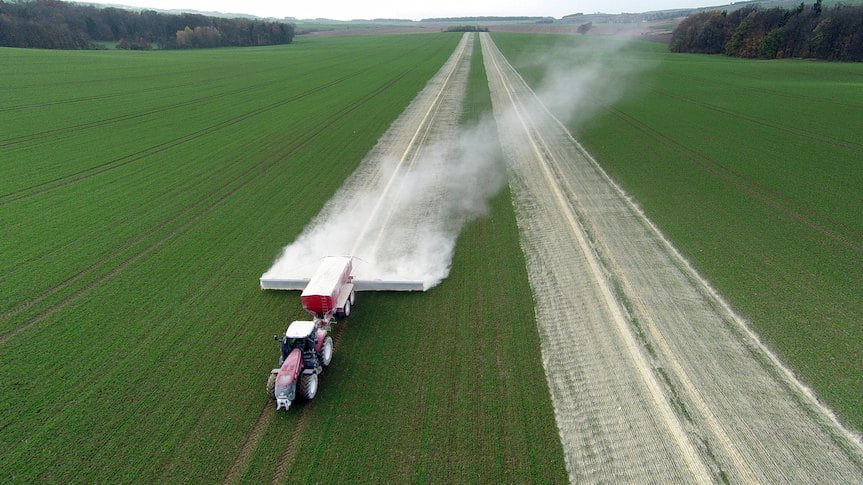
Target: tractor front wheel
[[347, 310], [271, 386], [309, 386], [353, 297]]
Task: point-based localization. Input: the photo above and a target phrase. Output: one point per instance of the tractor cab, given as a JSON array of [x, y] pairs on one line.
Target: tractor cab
[[299, 335]]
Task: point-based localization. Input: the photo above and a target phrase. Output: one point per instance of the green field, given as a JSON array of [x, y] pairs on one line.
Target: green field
[[144, 194], [752, 168]]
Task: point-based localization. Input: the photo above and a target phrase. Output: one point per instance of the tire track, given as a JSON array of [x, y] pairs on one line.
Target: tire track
[[286, 461], [826, 139], [740, 182], [172, 106], [75, 177], [199, 82], [414, 148], [241, 463], [797, 97], [644, 320], [262, 167]]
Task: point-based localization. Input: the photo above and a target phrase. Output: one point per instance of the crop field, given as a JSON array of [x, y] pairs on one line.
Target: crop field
[[143, 195], [752, 169]]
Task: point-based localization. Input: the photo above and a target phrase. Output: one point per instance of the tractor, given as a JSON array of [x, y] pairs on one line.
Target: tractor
[[306, 347]]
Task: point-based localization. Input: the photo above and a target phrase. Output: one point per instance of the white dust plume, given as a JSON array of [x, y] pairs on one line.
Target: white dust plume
[[407, 232], [400, 218]]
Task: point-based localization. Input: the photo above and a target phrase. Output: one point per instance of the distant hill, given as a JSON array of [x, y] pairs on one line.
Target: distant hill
[[207, 13]]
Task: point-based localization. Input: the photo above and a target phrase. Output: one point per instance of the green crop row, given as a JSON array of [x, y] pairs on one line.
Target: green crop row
[[752, 168]]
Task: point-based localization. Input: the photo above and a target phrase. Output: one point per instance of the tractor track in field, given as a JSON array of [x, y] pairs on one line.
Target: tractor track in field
[[112, 81], [286, 459], [653, 377], [69, 179], [173, 106], [100, 97], [397, 190], [253, 437], [826, 139], [798, 97], [197, 82], [201, 208], [241, 463], [750, 187]]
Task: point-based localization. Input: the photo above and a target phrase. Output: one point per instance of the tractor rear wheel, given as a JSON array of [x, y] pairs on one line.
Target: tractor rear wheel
[[271, 386], [327, 351], [309, 386], [347, 310], [353, 297]]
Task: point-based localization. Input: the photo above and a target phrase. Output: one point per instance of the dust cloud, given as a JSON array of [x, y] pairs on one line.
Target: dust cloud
[[399, 215], [409, 231], [401, 212]]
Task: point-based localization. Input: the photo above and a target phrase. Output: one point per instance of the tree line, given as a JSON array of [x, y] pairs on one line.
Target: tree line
[[483, 19], [804, 32], [53, 24], [466, 28]]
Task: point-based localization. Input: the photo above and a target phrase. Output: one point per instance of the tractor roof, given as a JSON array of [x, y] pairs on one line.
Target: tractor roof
[[300, 329]]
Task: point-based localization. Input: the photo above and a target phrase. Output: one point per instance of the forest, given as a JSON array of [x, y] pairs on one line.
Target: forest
[[813, 31], [52, 24]]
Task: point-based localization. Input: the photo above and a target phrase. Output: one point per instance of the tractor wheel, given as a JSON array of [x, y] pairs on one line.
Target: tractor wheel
[[309, 386], [271, 386], [327, 351], [347, 311], [353, 297]]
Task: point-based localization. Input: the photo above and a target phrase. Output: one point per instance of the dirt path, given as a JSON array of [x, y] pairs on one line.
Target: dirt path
[[652, 376]]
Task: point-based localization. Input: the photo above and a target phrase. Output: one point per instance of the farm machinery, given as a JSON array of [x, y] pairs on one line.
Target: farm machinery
[[306, 348]]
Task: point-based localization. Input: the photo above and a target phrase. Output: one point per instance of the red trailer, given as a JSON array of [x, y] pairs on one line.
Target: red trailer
[[330, 290]]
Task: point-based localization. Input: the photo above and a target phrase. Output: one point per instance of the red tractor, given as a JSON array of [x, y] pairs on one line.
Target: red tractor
[[306, 346]]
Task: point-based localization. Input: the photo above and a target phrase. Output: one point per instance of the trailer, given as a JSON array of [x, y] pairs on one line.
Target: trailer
[[306, 348], [330, 289]]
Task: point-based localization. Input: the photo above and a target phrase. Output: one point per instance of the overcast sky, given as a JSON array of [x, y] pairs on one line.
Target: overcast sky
[[355, 9]]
